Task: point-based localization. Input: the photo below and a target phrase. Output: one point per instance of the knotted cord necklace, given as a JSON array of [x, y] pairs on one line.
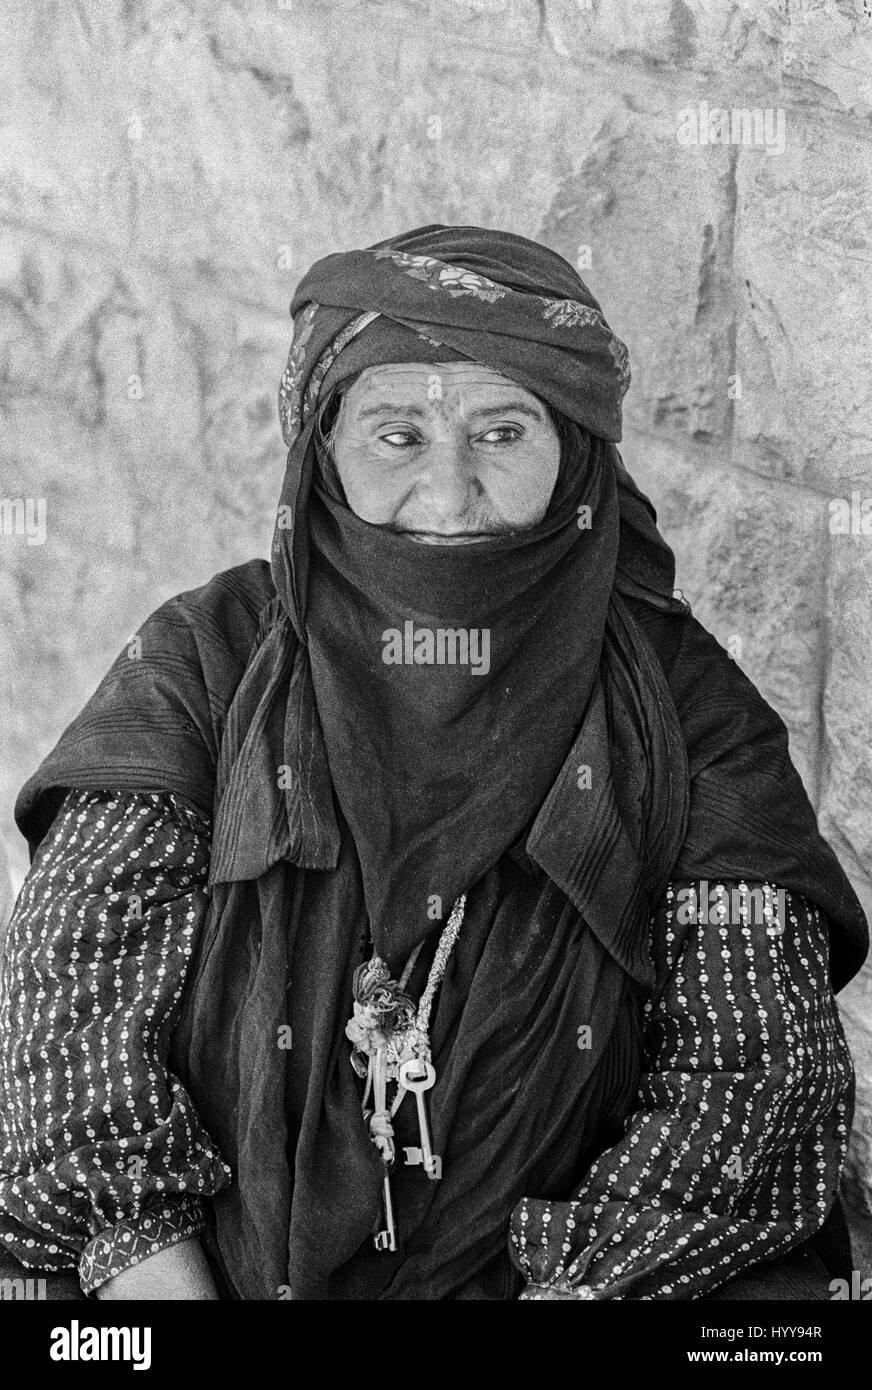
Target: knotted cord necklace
[[391, 1044]]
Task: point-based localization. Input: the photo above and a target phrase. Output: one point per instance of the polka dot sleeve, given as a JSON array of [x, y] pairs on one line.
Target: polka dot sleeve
[[735, 1150], [103, 1158]]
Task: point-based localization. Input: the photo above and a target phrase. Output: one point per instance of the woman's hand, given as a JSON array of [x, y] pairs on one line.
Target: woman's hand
[[179, 1271], [549, 1293]]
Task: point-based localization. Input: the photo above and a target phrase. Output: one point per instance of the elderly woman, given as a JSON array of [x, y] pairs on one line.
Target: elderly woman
[[434, 912]]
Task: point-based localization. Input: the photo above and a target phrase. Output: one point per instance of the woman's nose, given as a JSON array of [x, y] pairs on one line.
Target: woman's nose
[[447, 482]]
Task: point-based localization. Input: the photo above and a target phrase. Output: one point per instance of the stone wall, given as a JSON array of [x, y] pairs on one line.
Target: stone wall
[[168, 171]]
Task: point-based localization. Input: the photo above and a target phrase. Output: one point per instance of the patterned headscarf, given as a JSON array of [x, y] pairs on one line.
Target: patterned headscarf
[[581, 367]]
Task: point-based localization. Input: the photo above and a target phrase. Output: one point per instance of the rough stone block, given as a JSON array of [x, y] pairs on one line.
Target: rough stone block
[[846, 752], [804, 300], [750, 557], [661, 268]]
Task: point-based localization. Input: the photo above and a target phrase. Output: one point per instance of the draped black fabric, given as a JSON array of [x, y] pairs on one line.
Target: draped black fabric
[[264, 700], [280, 947], [459, 764], [429, 744]]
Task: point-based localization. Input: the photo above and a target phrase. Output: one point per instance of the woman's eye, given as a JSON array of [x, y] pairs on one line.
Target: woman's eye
[[399, 439], [502, 434]]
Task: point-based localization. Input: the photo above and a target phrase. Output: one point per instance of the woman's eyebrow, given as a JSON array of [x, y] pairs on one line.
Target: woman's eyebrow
[[515, 407], [393, 408]]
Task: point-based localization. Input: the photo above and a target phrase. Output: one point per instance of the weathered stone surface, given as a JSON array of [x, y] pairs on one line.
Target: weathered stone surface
[[698, 37], [229, 139], [846, 795], [846, 753], [146, 423], [681, 347], [827, 53], [6, 897], [803, 304], [750, 559], [817, 51]]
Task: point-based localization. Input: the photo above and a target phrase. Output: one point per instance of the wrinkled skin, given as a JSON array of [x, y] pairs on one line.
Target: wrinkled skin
[[447, 453]]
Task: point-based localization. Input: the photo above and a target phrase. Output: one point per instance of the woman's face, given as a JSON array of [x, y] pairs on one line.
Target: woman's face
[[447, 453]]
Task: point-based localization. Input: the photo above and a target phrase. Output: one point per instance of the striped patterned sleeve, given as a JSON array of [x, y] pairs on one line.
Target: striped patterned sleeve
[[734, 1151], [103, 1159]]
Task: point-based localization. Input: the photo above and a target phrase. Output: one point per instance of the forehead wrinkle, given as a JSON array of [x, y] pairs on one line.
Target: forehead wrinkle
[[381, 377], [458, 384]]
